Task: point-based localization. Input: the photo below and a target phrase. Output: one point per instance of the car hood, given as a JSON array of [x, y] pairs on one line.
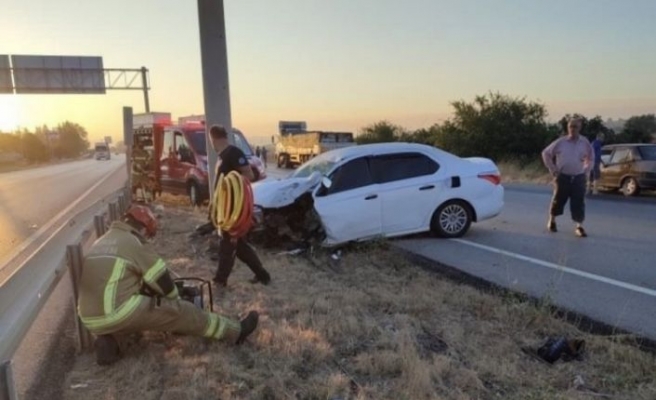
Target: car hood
[[283, 192]]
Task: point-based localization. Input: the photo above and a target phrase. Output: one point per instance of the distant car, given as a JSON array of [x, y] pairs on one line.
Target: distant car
[[379, 190], [628, 167], [102, 152]]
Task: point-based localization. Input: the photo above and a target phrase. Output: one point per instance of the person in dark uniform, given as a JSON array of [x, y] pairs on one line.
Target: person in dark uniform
[[231, 158]]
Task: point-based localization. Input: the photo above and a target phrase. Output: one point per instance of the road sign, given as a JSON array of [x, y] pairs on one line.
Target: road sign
[[58, 74], [5, 75]]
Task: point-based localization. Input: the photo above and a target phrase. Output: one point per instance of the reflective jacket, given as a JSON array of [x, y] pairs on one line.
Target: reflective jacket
[[118, 270]]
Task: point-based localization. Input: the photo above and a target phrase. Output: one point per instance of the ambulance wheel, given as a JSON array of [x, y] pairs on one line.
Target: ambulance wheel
[[194, 194]]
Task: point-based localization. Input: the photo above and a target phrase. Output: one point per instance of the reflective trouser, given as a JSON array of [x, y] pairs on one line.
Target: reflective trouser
[[177, 316]]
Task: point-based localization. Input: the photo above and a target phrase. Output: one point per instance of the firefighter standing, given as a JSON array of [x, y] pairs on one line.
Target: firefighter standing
[[231, 158], [125, 288]]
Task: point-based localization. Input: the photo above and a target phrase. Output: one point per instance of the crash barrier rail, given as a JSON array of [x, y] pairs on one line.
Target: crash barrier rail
[[25, 293]]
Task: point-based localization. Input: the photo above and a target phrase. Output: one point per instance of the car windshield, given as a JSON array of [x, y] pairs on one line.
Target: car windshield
[[648, 152], [321, 164], [198, 142], [102, 148], [240, 141]]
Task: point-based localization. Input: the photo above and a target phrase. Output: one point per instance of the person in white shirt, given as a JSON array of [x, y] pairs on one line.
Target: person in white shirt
[[569, 159]]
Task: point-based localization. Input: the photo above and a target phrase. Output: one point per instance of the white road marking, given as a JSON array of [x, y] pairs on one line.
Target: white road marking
[[546, 264]]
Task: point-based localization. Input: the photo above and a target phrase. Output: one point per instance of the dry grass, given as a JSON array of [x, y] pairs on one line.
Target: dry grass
[[372, 326], [513, 172]]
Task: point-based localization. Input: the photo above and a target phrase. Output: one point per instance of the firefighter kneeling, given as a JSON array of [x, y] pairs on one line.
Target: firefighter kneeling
[[126, 288]]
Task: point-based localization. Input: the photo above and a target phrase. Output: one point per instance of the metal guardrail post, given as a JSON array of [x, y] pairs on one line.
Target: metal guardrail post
[[121, 204], [113, 211], [7, 389], [75, 261], [126, 193], [99, 224], [128, 196]]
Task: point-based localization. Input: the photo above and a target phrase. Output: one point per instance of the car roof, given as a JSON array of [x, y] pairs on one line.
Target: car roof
[[386, 148], [612, 146]]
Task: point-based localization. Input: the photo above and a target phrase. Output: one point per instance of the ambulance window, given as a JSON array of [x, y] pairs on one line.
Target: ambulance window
[[168, 148]]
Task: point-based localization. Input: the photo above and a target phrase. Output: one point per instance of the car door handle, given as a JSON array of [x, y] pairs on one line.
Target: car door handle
[[429, 187], [371, 197]]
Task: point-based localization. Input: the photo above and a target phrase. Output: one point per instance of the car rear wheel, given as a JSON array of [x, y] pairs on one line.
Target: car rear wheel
[[630, 187], [452, 219], [194, 194]]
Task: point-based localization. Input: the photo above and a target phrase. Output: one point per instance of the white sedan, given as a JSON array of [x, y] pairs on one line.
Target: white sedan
[[379, 190]]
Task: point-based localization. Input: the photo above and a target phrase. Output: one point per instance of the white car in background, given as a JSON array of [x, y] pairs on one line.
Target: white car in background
[[379, 190]]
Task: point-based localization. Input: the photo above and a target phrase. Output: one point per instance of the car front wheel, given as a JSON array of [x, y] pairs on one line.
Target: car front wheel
[[452, 219]]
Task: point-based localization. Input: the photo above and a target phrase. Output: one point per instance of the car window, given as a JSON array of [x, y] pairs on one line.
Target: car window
[[621, 155], [352, 175], [168, 144], [647, 152], [395, 167], [605, 155], [182, 149]]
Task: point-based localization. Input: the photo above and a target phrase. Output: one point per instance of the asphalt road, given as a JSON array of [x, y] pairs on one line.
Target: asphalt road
[[35, 197], [609, 276], [30, 198]]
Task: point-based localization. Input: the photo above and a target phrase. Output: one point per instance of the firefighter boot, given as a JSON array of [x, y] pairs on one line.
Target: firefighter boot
[[248, 325], [107, 350]]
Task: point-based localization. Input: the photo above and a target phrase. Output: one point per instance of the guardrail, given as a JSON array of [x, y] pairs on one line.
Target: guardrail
[[23, 295]]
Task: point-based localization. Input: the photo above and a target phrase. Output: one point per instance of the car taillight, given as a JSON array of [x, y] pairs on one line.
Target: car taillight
[[495, 179]]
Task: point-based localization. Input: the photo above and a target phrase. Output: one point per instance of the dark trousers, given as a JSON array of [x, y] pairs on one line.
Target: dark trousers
[[572, 188], [242, 250]]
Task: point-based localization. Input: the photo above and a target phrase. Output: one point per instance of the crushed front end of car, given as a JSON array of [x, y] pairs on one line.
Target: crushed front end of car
[[284, 213]]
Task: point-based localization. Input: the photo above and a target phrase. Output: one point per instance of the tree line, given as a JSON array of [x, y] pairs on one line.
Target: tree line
[[66, 140], [505, 128]]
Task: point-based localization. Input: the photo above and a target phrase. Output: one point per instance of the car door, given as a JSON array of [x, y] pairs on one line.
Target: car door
[[178, 163], [168, 151], [614, 170], [408, 190], [606, 154], [350, 208]]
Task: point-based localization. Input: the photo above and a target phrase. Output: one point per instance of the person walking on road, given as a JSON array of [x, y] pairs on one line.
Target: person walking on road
[[569, 159], [264, 156], [596, 169], [126, 288], [231, 158]]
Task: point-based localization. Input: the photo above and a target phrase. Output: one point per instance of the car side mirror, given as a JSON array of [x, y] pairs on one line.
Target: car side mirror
[[326, 182]]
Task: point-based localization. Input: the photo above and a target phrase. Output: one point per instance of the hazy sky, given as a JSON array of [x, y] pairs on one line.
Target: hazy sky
[[342, 64]]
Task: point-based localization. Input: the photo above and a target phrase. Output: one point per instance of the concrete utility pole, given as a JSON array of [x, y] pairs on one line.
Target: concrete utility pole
[[128, 137], [214, 61]]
